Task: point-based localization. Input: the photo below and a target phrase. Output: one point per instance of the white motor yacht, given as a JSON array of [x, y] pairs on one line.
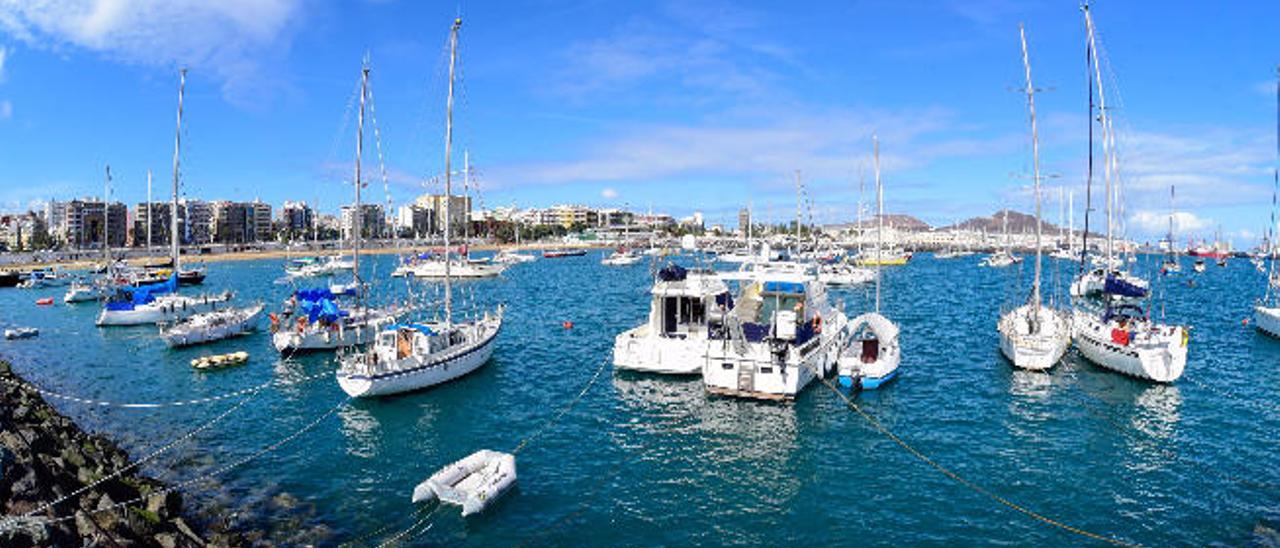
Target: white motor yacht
[[684, 308]]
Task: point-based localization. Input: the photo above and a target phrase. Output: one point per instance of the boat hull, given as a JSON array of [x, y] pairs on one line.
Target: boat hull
[[412, 374], [757, 374], [1267, 320], [639, 349], [184, 337], [1039, 351], [1159, 358], [317, 339], [162, 311]]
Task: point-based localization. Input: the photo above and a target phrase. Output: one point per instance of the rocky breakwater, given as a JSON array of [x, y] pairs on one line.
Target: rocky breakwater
[[45, 457]]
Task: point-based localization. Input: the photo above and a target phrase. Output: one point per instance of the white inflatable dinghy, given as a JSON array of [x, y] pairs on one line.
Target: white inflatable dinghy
[[472, 483], [21, 333]]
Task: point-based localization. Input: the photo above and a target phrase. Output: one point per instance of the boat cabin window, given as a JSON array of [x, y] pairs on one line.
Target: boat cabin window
[[774, 302], [681, 313]]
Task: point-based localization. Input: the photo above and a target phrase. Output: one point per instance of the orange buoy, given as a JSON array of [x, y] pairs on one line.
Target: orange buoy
[[1245, 322], [567, 324], [44, 301]]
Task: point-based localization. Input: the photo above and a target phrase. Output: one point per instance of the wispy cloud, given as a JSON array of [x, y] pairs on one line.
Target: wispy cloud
[[1157, 222], [6, 109], [609, 193], [232, 39], [4, 56]]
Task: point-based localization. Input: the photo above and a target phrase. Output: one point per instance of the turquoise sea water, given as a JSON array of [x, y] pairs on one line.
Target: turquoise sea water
[[644, 460]]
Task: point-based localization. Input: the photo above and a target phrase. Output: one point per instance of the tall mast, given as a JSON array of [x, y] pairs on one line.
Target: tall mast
[[1107, 142], [150, 212], [1035, 162], [1273, 249], [448, 165], [177, 151], [1088, 187], [875, 140], [466, 193], [798, 208], [1071, 220], [357, 220], [106, 218], [1171, 211]]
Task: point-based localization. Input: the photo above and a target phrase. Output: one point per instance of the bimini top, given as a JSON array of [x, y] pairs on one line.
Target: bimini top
[[884, 329], [1117, 285], [694, 284], [795, 288], [426, 330]]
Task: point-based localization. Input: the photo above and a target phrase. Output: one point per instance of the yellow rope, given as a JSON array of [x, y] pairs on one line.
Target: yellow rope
[[965, 482]]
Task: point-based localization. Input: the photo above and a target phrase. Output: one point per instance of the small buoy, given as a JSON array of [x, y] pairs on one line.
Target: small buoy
[[44, 301], [567, 324], [1245, 322]]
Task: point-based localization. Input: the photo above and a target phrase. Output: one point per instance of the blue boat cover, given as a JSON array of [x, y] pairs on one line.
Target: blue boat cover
[[1118, 286], [314, 294], [672, 273], [784, 287], [127, 299]]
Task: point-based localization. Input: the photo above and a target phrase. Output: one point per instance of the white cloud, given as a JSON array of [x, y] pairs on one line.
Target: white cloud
[[609, 194], [1157, 222], [6, 110], [228, 38], [4, 55]]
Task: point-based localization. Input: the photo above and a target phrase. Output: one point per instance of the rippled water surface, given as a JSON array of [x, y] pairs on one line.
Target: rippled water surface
[[648, 459]]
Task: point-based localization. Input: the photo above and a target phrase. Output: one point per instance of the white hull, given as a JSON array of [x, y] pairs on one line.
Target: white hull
[[473, 483], [621, 260], [755, 373], [212, 327], [82, 294], [1157, 353], [435, 270], [364, 379], [640, 349], [1038, 351], [846, 276], [1267, 320], [315, 338], [169, 308]]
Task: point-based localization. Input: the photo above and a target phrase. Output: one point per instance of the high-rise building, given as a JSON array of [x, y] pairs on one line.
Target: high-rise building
[[297, 219], [23, 232], [260, 221], [744, 220], [415, 219], [87, 222], [158, 218], [459, 210], [231, 222], [372, 220], [195, 219]]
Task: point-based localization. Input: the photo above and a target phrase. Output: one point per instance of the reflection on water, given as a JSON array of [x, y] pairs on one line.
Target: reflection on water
[[1030, 404], [1159, 406], [361, 430]]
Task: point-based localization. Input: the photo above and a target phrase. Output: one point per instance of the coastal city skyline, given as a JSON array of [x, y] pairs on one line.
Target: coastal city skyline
[[676, 107]]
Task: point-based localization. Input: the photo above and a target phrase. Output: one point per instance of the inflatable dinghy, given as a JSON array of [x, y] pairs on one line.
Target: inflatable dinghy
[[473, 483]]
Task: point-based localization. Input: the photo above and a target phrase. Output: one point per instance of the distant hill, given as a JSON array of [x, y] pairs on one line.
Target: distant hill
[[1019, 223], [897, 221]]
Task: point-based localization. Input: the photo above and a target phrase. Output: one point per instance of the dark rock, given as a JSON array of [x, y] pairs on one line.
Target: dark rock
[[186, 531]]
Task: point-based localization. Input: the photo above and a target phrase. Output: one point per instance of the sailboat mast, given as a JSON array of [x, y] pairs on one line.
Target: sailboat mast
[[1106, 132], [150, 211], [106, 218], [177, 153], [875, 140], [1088, 186], [357, 221], [1273, 248], [448, 165], [798, 208], [1035, 162]]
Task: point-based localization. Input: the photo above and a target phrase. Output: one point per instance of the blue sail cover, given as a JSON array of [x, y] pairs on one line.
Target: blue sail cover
[[318, 304], [127, 299], [313, 295], [1117, 286]]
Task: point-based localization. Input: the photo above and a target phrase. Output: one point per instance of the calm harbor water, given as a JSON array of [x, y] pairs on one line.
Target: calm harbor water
[[653, 460]]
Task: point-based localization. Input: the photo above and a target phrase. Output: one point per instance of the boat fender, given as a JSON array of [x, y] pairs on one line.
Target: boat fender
[[566, 324]]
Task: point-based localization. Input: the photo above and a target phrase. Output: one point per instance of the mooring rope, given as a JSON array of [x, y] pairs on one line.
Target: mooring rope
[[564, 410], [14, 522], [156, 405], [1257, 406], [396, 537], [380, 530], [190, 434], [880, 427]]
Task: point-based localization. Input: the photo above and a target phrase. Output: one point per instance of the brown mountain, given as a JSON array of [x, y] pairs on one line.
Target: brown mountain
[[898, 221], [1019, 223]]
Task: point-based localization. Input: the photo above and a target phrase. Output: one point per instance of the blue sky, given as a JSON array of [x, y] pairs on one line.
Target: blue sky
[[677, 105]]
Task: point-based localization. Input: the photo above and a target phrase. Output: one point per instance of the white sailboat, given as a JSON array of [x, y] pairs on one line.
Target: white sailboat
[[1171, 264], [1266, 313], [412, 356], [445, 264], [685, 309], [212, 326], [82, 290], [313, 320], [1002, 257], [874, 360], [1118, 334], [1034, 336], [155, 303]]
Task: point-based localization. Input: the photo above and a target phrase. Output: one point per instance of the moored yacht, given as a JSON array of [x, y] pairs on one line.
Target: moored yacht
[[684, 309], [152, 304], [781, 335]]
